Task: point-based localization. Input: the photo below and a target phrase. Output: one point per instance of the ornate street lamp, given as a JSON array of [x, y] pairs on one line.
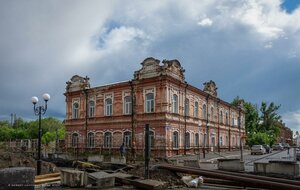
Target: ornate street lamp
[[39, 110]]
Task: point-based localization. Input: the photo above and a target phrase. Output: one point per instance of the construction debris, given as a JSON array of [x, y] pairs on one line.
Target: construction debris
[[47, 178], [73, 178], [85, 166], [100, 180], [192, 182]]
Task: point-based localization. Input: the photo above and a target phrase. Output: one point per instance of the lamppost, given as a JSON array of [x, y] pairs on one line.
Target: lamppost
[[39, 110]]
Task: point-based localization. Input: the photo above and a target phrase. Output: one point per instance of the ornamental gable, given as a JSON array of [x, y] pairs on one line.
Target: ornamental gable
[[77, 83], [151, 68]]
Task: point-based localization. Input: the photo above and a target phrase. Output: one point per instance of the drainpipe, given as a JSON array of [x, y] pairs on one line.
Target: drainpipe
[[132, 121], [207, 128], [85, 90], [86, 117], [185, 106]]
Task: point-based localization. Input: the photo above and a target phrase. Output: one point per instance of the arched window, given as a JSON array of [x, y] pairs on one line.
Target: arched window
[[204, 114], [91, 140], [226, 118], [175, 139], [149, 103], [75, 110], [196, 108], [107, 140], [175, 104], [127, 139], [187, 139], [108, 107], [127, 105], [74, 140], [221, 116], [212, 114], [196, 139], [91, 108], [187, 107]]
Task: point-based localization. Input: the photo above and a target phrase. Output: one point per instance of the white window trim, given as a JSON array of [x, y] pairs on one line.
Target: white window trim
[[76, 100], [93, 140], [175, 109], [106, 96], [111, 139], [89, 110], [146, 91]]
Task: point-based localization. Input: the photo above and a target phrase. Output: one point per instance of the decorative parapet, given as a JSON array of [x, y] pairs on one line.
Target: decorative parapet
[[152, 68], [77, 83], [210, 87]]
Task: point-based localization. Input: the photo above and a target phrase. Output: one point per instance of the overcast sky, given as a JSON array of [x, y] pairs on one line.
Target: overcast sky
[[250, 48]]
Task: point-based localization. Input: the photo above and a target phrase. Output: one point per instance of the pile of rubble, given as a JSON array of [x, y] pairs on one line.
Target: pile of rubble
[[20, 159]]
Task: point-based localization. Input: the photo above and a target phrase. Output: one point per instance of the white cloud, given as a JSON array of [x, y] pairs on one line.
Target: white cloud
[[268, 45], [62, 38], [205, 22], [292, 120]]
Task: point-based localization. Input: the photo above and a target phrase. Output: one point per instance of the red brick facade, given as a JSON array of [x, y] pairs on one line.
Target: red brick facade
[[158, 95]]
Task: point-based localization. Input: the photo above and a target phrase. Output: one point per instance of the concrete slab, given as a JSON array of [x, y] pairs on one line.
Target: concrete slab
[[17, 178], [100, 179], [73, 178], [230, 164]]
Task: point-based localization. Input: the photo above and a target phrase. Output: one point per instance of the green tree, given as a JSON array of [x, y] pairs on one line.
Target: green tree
[[262, 125], [51, 136], [251, 118], [270, 119], [4, 124], [5, 133], [258, 138], [29, 129]]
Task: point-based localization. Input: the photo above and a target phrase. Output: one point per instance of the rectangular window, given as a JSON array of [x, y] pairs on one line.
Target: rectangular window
[[127, 105], [91, 108], [108, 107], [149, 103]]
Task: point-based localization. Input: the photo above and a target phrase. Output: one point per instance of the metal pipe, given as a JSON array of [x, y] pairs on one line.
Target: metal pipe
[[280, 180], [185, 114], [247, 181], [132, 122], [147, 150]]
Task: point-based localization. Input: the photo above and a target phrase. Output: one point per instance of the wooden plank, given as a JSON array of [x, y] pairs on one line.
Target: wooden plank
[[46, 180], [47, 175]]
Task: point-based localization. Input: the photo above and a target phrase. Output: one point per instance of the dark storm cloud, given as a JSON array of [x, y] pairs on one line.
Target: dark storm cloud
[[249, 48]]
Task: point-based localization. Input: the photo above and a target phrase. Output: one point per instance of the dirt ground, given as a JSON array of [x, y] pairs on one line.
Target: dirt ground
[[22, 159]]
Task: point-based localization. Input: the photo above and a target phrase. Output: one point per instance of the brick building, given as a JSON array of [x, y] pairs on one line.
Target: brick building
[[182, 117], [286, 134]]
